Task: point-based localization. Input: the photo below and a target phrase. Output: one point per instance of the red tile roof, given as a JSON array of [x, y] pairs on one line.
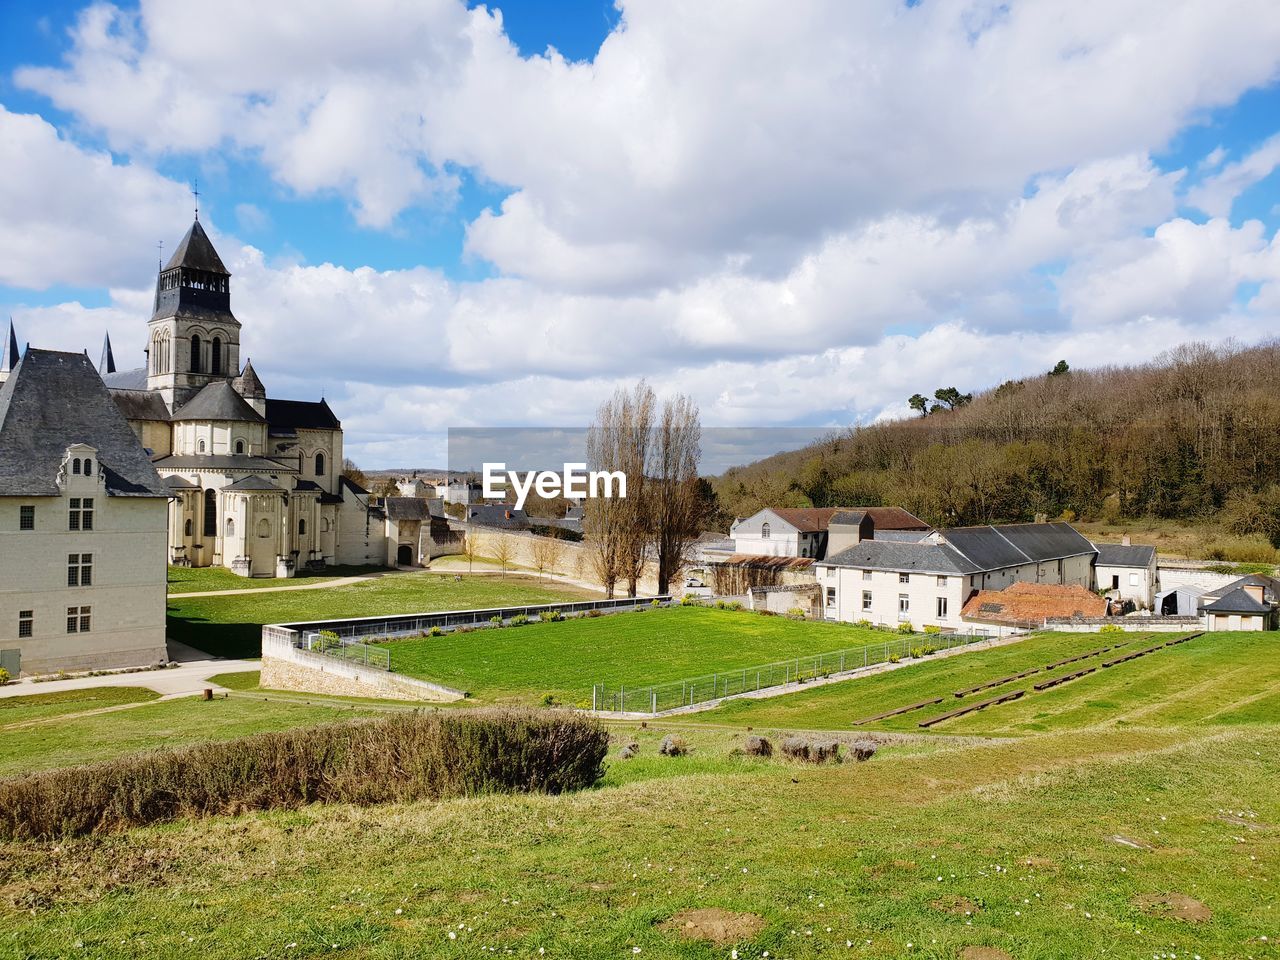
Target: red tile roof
[[1033, 603]]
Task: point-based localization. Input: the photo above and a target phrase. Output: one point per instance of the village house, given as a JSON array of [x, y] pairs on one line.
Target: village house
[[1250, 603], [925, 578], [802, 531], [83, 520], [1127, 573]]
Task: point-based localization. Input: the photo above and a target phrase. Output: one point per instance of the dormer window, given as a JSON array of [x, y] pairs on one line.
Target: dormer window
[[75, 466], [764, 531]]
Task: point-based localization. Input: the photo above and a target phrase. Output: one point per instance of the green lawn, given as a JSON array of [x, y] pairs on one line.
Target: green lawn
[[231, 626], [198, 579], [38, 706], [633, 648], [1223, 678], [165, 724]]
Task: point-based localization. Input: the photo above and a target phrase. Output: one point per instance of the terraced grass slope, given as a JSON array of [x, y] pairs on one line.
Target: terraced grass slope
[[1008, 845], [1219, 678], [231, 626], [521, 664]]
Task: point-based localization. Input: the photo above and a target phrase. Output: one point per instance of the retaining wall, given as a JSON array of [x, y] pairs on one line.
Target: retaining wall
[[285, 667], [1127, 624]]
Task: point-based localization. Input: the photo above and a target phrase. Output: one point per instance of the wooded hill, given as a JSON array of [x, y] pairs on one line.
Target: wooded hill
[[1194, 435]]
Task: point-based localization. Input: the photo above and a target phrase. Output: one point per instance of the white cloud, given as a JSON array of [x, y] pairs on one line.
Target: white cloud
[[1217, 193]]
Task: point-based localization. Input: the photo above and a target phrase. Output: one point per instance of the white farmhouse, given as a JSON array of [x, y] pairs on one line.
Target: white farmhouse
[[1126, 572], [925, 581], [802, 531], [83, 517]]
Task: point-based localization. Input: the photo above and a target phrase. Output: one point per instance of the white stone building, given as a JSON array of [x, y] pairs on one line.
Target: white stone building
[[1127, 573], [82, 524], [256, 481], [927, 580], [802, 531]]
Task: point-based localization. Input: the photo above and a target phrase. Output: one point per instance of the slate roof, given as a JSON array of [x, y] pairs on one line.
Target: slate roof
[[406, 508], [907, 557], [1120, 555], [135, 379], [9, 350], [248, 384], [1236, 601], [253, 483], [217, 401], [301, 415], [180, 483], [195, 251], [51, 401], [108, 362], [231, 463], [140, 404], [966, 550], [498, 515]]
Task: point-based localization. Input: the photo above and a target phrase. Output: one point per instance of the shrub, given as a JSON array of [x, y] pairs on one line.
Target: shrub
[[798, 612], [720, 604], [655, 602], [629, 751], [519, 620], [593, 613], [673, 746], [552, 616], [436, 632], [758, 747], [863, 750], [328, 635], [550, 700], [796, 748], [733, 605], [894, 658], [688, 600], [1111, 628], [917, 653], [496, 620], [4, 676], [397, 758], [933, 628], [905, 627], [865, 624]]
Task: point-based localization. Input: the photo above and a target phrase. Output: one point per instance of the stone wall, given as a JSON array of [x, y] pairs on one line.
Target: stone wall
[[285, 667], [1128, 624], [575, 558]]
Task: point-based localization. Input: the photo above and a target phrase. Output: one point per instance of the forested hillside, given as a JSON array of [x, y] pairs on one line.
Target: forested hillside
[[1193, 435]]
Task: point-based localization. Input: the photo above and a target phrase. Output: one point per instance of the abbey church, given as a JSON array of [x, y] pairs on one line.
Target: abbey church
[[256, 482]]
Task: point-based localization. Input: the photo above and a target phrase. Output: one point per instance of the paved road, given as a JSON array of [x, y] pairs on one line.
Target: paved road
[[190, 676]]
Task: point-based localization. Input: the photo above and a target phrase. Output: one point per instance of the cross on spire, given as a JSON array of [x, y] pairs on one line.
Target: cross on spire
[[195, 192], [160, 255]]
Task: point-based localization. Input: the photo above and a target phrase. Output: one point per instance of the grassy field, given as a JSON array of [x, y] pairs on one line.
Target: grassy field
[[231, 626], [1222, 678], [198, 579], [39, 706], [521, 664], [1043, 843], [72, 739], [1173, 538]]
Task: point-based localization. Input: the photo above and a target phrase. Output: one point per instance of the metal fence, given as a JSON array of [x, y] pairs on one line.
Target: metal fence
[[714, 686], [352, 651], [351, 638]]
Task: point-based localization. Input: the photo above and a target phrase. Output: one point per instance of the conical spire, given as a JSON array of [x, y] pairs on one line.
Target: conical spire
[[9, 355], [196, 253], [108, 362], [248, 385]]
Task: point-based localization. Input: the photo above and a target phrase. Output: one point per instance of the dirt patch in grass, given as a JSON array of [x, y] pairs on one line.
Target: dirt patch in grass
[[955, 905], [984, 953], [721, 927], [1236, 821], [1177, 905], [1129, 842]]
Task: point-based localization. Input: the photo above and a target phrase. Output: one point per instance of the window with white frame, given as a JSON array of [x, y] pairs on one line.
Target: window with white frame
[[866, 574], [80, 516], [904, 604], [831, 596], [904, 578], [1133, 579], [79, 619], [942, 581], [79, 569], [866, 599], [942, 608], [764, 531]]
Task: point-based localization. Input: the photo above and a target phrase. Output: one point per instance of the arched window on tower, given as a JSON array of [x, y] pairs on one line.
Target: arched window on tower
[[319, 464], [211, 513], [195, 353], [75, 465], [215, 356]]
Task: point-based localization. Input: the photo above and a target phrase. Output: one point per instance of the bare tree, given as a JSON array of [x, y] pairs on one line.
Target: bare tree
[[547, 554], [674, 498], [355, 474], [473, 546], [503, 552], [605, 518]]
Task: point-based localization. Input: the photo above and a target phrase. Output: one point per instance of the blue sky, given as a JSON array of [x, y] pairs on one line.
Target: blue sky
[[799, 215]]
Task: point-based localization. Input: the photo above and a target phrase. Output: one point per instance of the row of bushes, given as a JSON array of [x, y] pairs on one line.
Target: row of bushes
[[396, 758]]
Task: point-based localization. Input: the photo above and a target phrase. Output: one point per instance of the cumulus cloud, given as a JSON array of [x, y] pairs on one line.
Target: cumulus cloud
[[796, 214]]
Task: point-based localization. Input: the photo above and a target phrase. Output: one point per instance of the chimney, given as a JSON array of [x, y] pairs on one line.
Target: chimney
[[850, 529], [1126, 541]]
